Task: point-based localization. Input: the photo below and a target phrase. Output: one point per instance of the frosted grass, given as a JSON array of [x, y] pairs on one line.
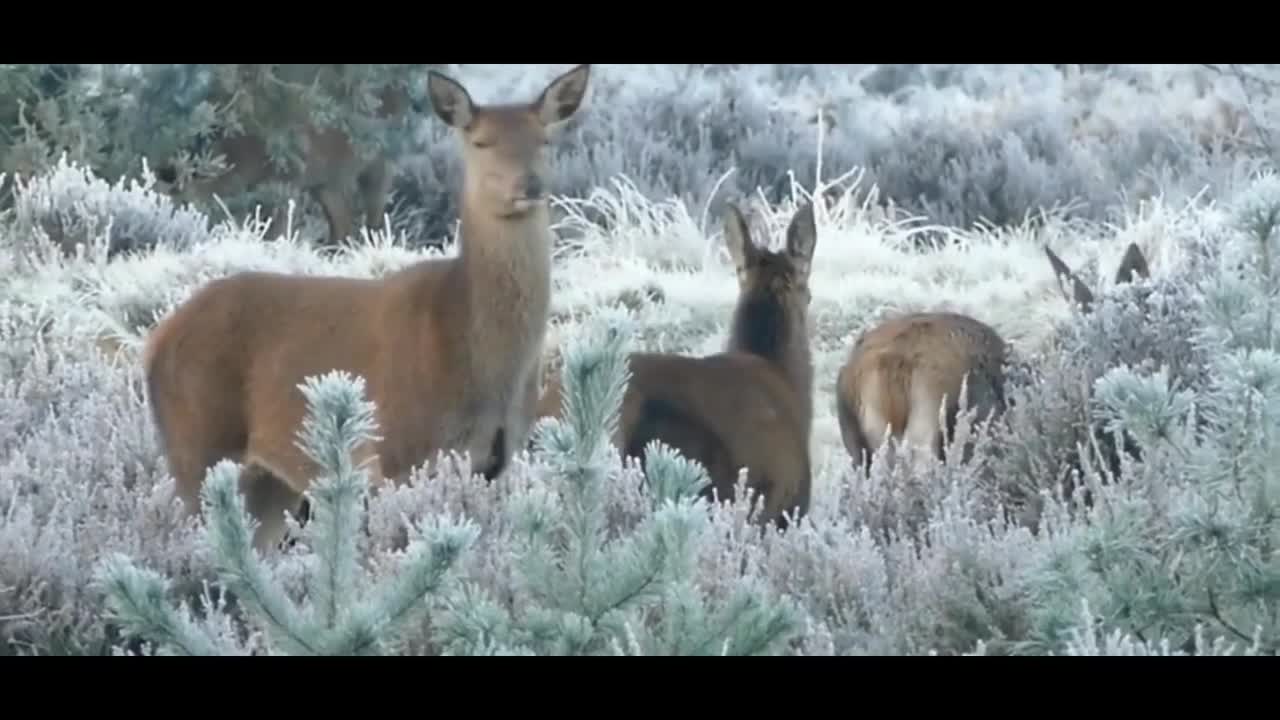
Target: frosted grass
[[658, 259]]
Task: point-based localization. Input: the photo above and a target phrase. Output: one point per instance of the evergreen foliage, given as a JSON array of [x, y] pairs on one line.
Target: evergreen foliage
[[333, 619], [1184, 539], [112, 118], [586, 588]]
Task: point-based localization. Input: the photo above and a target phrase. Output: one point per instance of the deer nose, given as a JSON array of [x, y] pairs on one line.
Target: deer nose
[[533, 187]]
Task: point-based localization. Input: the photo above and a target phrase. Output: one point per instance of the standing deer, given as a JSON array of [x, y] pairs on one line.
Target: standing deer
[[750, 406], [450, 349], [330, 167], [900, 373]]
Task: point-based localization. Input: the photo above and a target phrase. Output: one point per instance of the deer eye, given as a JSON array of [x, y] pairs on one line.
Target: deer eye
[[482, 144]]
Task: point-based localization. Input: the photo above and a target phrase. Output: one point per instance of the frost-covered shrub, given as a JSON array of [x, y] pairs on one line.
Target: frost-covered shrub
[[957, 144], [68, 207], [1052, 437], [44, 113], [1186, 538], [79, 474], [872, 583], [117, 118], [1051, 430]]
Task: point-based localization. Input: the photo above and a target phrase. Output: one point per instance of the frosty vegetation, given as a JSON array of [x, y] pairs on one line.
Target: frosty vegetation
[[1125, 505]]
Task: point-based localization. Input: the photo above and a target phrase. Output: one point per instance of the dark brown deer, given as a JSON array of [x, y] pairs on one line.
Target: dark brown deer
[[750, 406]]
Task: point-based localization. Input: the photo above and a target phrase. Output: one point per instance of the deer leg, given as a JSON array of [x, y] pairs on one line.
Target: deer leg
[[375, 185], [337, 211], [279, 221], [267, 499], [855, 443]]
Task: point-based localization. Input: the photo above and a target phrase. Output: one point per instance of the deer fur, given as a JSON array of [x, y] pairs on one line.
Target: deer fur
[[901, 374], [750, 406], [450, 349], [330, 165]]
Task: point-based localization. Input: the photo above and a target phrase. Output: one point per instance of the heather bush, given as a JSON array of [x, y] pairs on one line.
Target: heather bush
[[1051, 434], [80, 474], [956, 145], [69, 210], [1178, 542]]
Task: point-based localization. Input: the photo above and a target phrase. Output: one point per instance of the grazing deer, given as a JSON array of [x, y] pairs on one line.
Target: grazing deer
[[750, 406], [900, 373], [330, 167], [1133, 265], [450, 349]]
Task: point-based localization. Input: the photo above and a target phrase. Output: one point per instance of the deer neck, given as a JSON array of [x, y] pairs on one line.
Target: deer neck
[[504, 269], [762, 326]]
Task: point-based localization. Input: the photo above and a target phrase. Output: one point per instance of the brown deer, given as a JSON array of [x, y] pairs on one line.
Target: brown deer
[[450, 349], [750, 406], [331, 166], [900, 373], [1133, 265]]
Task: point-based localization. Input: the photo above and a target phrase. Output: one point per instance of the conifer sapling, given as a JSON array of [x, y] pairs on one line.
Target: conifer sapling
[[334, 618]]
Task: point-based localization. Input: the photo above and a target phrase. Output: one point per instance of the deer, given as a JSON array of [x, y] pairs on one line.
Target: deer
[[330, 167], [1132, 265], [450, 348], [749, 406], [902, 379]]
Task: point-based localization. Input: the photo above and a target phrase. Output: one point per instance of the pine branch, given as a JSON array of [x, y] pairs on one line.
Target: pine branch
[[338, 425], [428, 560], [137, 599], [671, 476], [589, 584], [242, 571]]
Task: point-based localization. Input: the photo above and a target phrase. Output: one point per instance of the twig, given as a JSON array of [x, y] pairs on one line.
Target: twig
[[21, 616], [1264, 136], [1217, 615]]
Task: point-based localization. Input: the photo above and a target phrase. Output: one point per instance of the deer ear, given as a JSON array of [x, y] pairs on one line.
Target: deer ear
[[1079, 291], [1134, 263], [802, 237], [450, 100], [737, 237], [563, 96]]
